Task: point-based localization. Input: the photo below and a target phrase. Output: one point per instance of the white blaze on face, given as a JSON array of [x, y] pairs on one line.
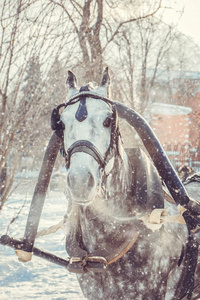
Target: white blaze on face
[[83, 174]]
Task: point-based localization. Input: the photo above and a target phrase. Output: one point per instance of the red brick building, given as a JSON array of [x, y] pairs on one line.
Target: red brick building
[[178, 129], [194, 103]]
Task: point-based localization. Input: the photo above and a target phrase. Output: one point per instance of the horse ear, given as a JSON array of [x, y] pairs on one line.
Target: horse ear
[[105, 81], [71, 80]]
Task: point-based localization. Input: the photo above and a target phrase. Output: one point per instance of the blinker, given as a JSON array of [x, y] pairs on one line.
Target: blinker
[[56, 123]]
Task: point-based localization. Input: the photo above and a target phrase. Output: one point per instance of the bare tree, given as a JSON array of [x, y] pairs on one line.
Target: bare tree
[[183, 62], [97, 23], [27, 29], [141, 51], [77, 34]]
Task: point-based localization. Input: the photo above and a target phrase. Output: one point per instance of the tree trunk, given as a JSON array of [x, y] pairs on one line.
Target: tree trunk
[[89, 39]]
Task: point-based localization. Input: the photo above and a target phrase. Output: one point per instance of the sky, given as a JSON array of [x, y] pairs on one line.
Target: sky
[[189, 24]]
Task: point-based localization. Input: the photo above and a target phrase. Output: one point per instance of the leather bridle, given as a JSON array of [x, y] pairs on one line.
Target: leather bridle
[[84, 145]]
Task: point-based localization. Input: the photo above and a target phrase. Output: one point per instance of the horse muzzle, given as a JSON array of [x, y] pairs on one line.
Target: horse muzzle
[[81, 185]]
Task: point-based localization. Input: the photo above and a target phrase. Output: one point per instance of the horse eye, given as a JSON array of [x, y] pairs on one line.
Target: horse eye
[[107, 122]]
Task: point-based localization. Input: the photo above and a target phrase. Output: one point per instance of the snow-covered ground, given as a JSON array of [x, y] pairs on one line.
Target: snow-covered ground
[[38, 279]]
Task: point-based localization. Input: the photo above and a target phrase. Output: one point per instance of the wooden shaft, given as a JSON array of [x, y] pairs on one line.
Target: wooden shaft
[[17, 244], [40, 193]]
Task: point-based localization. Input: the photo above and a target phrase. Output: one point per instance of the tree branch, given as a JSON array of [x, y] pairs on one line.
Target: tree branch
[[129, 21]]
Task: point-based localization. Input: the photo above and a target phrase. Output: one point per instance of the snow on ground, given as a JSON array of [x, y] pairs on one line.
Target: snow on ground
[[38, 279]]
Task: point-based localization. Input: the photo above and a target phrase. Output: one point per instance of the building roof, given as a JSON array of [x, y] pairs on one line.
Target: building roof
[[169, 109], [166, 75]]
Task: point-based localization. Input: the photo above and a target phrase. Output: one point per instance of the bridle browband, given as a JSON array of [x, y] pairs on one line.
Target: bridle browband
[[83, 145]]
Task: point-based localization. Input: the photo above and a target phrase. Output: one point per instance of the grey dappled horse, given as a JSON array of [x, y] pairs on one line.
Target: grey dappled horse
[[109, 188]]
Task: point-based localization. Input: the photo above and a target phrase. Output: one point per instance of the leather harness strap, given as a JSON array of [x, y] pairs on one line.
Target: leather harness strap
[[152, 221], [99, 263], [158, 217], [121, 251]]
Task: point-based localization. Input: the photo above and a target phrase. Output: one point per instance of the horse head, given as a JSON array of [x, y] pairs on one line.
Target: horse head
[[91, 138]]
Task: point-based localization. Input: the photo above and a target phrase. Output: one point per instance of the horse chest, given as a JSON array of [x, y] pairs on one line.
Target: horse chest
[[95, 232], [139, 274], [131, 277]]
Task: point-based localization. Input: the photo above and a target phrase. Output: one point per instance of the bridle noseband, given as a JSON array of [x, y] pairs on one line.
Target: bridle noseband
[[83, 145], [87, 147]]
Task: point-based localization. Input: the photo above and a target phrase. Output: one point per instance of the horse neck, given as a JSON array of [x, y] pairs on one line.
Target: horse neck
[[117, 183], [110, 209], [118, 180]]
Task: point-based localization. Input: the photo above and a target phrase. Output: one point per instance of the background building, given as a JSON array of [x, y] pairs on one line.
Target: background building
[[177, 128]]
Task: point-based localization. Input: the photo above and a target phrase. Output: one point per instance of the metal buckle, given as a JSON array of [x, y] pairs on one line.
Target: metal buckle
[[95, 259], [74, 259], [85, 264]]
